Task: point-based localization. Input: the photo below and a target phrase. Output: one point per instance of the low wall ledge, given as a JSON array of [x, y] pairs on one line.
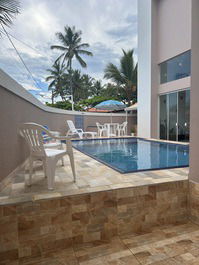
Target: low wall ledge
[[8, 83]]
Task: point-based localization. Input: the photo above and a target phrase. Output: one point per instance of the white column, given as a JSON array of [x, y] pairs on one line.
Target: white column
[[194, 111], [147, 69], [144, 68]]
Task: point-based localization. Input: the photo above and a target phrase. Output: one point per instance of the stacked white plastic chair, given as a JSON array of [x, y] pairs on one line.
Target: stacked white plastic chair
[[34, 136]]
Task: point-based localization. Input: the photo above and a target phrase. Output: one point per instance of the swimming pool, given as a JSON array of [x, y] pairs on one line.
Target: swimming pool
[[135, 154]]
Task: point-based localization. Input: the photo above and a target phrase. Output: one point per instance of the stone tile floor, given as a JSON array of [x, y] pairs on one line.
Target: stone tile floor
[[91, 176], [165, 245]]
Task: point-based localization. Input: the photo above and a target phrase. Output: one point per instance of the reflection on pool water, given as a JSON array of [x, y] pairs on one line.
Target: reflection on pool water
[[135, 154]]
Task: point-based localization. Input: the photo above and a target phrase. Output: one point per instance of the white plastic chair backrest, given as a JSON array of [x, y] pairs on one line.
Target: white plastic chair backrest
[[71, 126], [99, 126], [123, 125], [33, 134]]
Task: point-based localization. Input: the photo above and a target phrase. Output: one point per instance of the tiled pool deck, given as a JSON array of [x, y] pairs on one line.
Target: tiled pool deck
[[168, 245], [92, 176]]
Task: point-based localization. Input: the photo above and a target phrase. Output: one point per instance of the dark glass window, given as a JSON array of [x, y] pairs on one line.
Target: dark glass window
[[176, 68], [172, 116], [175, 116], [183, 115]]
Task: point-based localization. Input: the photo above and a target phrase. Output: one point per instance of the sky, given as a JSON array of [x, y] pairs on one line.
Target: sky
[[107, 25]]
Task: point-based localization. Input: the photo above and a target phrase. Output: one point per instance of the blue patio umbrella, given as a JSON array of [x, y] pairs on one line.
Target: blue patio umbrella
[[111, 105]]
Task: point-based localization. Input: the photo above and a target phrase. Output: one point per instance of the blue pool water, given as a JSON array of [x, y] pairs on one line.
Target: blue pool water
[[135, 154]]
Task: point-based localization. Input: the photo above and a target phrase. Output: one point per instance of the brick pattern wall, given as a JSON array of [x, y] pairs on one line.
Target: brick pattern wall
[[33, 229], [194, 202]]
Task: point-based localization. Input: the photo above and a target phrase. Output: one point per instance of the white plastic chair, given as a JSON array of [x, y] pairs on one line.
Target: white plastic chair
[[52, 143], [101, 129], [122, 129], [33, 134], [73, 131]]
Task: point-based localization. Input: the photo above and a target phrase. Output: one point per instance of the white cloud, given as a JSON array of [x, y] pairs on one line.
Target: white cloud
[[30, 87], [46, 97], [107, 25]]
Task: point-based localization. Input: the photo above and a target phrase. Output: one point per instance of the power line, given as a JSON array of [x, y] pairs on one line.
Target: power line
[[16, 62], [21, 42], [35, 81]]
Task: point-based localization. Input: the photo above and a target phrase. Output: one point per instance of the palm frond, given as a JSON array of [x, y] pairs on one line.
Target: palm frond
[[134, 77], [51, 85], [59, 58], [80, 60], [112, 72], [127, 64], [82, 45], [84, 52], [8, 10], [50, 77], [58, 47]]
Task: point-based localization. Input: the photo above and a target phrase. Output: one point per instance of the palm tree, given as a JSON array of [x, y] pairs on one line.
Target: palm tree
[[80, 84], [56, 77], [126, 75], [97, 88], [71, 47], [8, 10], [87, 86]]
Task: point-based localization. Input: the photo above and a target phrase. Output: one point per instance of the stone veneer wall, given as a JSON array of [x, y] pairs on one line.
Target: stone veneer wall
[[33, 229], [194, 202]]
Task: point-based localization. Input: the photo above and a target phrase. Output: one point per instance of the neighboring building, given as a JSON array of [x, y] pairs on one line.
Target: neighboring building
[[164, 61]]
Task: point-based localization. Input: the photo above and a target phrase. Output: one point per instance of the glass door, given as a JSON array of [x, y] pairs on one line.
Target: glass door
[[183, 115], [172, 109], [175, 116], [163, 117]]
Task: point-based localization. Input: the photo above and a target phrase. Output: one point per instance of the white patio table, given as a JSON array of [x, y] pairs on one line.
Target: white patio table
[[111, 129]]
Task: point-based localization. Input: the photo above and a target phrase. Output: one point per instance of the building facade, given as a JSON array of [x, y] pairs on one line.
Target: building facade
[[164, 56]]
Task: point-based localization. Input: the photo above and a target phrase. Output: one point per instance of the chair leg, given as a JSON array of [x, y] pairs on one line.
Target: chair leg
[[80, 135], [50, 168], [45, 168], [29, 182], [62, 160], [71, 157]]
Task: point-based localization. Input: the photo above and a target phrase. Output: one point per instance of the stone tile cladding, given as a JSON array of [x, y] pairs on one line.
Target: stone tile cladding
[[36, 229], [193, 201]]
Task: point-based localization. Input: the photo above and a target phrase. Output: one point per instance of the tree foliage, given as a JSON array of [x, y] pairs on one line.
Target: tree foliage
[[56, 80], [124, 76], [71, 46], [87, 91]]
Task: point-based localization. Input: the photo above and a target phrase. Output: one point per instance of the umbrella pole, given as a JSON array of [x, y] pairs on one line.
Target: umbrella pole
[[127, 122], [111, 122]]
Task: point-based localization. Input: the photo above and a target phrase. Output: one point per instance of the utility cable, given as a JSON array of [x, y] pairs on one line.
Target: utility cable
[[21, 42], [35, 81]]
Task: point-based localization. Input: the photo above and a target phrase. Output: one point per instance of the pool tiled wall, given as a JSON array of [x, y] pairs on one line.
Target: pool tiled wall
[[33, 229]]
